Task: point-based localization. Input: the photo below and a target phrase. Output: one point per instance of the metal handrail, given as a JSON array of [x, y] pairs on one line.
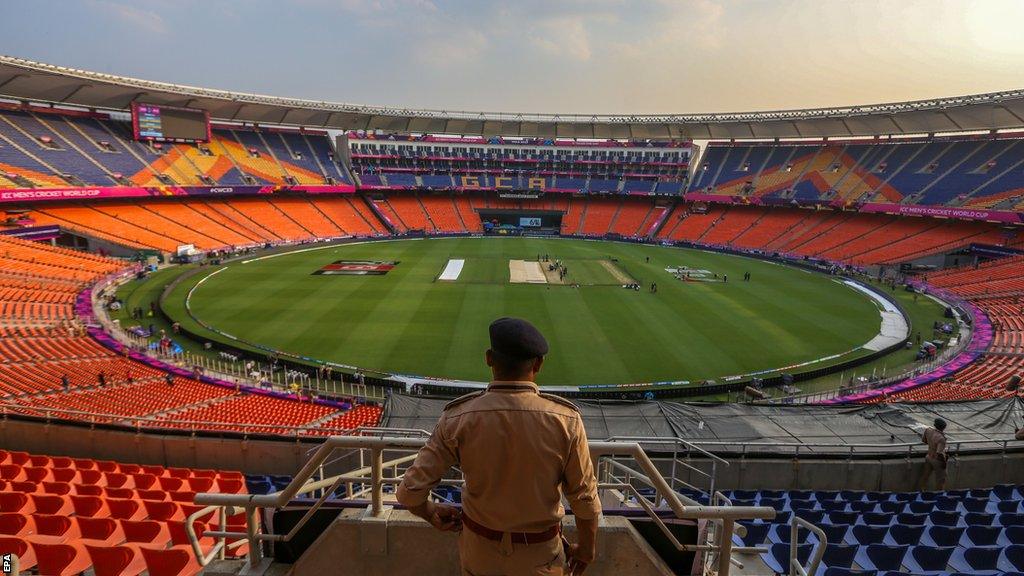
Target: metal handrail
[[795, 569], [304, 482]]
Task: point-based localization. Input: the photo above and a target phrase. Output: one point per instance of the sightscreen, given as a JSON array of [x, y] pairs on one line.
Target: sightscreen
[[168, 123]]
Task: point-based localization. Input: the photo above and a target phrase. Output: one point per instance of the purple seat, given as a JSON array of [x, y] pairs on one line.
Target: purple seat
[[928, 558]]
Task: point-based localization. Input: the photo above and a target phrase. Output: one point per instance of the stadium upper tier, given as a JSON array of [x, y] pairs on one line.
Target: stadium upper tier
[[45, 149], [977, 172]]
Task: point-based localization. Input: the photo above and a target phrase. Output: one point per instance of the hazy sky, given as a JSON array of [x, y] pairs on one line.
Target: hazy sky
[[585, 56]]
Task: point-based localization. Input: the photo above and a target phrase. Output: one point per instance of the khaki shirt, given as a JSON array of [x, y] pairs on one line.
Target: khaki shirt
[[519, 452], [936, 442]]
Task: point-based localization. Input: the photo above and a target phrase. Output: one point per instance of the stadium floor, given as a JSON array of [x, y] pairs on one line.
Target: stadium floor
[[407, 321]]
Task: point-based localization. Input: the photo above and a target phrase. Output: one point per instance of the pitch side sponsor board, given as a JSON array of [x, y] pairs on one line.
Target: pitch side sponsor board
[[357, 268]]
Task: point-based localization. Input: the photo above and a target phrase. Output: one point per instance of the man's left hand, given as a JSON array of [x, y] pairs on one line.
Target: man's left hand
[[443, 517]]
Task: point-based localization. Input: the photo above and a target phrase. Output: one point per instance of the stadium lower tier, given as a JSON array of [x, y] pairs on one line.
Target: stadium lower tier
[[47, 364]]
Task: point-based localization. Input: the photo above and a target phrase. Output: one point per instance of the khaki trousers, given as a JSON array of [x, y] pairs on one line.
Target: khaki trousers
[[482, 557]]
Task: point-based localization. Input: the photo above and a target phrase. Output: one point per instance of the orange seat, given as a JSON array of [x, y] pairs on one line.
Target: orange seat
[[64, 559], [169, 483], [124, 509], [54, 529], [14, 524], [122, 493], [20, 548], [52, 504], [38, 474], [107, 466], [144, 481], [123, 560], [16, 502], [84, 490], [182, 496], [39, 460], [200, 484], [158, 495], [85, 463], [157, 471], [12, 473], [69, 475], [25, 487], [231, 485], [5, 456], [19, 458], [146, 532], [204, 473], [177, 561], [92, 478], [62, 488], [163, 511], [213, 517], [90, 506], [61, 462], [130, 468], [118, 480], [182, 473], [100, 531]]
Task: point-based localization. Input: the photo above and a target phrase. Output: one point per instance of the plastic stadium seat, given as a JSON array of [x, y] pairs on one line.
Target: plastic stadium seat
[[91, 478], [179, 537], [863, 507], [928, 558], [865, 535], [231, 485], [980, 558], [182, 473], [182, 496], [83, 490], [84, 463], [1013, 559], [107, 466], [25, 487], [163, 511], [812, 516], [834, 533], [981, 536], [843, 517], [22, 549], [776, 503], [851, 495], [920, 507], [16, 502], [54, 529], [876, 519], [126, 509], [903, 535], [124, 560], [100, 531], [90, 506], [839, 556], [942, 536], [52, 504], [69, 475], [846, 572], [881, 557], [743, 494], [756, 534], [38, 474], [911, 519], [118, 480], [904, 496], [1012, 535], [144, 481], [892, 507], [831, 506], [147, 532], [780, 533], [1015, 519], [974, 504], [940, 518], [62, 559], [777, 557], [14, 524], [169, 483], [979, 519], [59, 488], [200, 484], [177, 561], [39, 460], [825, 495], [12, 473], [1002, 492], [1006, 506], [120, 493], [19, 458], [59, 462], [156, 495]]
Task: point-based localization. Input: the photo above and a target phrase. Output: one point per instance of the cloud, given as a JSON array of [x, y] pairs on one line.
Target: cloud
[[140, 18], [563, 36], [441, 50]]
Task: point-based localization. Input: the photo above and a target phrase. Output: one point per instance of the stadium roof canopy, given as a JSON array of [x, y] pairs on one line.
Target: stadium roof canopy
[[36, 82]]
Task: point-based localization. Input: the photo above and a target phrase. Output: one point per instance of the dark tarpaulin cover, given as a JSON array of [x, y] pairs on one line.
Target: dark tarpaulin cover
[[768, 428]]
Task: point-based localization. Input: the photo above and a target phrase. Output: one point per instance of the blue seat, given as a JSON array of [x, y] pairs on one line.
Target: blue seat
[[832, 505], [981, 536], [773, 493], [756, 534], [928, 558], [920, 507], [979, 519], [892, 507], [1013, 559], [1005, 507], [780, 533], [985, 493], [949, 503], [777, 503], [812, 516], [904, 496], [838, 556], [911, 519], [881, 557], [961, 493], [783, 517], [843, 517], [865, 535], [1006, 492], [800, 494], [976, 504], [876, 519], [743, 495], [834, 533], [851, 495], [801, 505], [979, 558], [1011, 519], [846, 572], [825, 495], [903, 535], [743, 502], [862, 507], [1012, 535], [942, 536], [777, 557], [940, 518], [925, 496], [878, 496]]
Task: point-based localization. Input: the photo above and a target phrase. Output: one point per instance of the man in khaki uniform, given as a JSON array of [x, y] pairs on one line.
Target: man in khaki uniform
[[519, 451], [935, 460]]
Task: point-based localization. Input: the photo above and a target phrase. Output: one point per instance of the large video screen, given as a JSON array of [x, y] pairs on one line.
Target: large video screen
[[167, 123]]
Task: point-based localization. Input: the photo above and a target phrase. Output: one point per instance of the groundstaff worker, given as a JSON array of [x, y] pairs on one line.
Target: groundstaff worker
[[519, 451]]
